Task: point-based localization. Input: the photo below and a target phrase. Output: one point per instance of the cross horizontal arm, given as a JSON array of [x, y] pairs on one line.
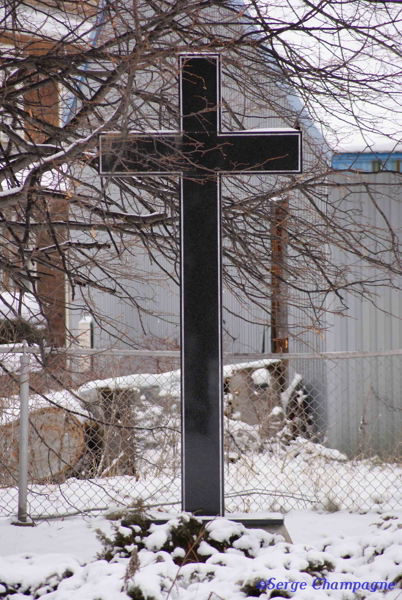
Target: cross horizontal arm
[[159, 153], [253, 152], [140, 153]]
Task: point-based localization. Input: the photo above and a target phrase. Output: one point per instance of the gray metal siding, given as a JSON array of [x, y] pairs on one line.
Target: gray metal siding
[[363, 396], [370, 326]]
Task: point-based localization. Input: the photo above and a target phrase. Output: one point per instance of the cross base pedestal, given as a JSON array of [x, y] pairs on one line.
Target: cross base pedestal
[[268, 521]]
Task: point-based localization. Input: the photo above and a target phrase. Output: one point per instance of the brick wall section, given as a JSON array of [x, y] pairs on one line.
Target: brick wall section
[[43, 103]]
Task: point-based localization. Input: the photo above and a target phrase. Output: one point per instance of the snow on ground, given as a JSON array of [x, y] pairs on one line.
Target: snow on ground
[[76, 535], [339, 555], [300, 476]]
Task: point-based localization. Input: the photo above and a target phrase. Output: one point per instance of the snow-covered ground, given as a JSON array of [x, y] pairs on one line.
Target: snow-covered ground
[[300, 476], [76, 535], [338, 555]]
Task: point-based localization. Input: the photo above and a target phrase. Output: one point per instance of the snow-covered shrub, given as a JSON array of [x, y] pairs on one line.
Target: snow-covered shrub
[[186, 538], [25, 588], [224, 561]]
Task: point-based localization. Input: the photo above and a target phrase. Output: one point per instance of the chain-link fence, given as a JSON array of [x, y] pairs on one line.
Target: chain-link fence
[[301, 431]]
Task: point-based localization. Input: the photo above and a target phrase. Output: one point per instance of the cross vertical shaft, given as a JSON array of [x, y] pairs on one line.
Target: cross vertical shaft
[[201, 298]]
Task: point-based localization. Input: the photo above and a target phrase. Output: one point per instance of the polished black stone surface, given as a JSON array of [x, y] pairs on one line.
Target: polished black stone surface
[[200, 153]]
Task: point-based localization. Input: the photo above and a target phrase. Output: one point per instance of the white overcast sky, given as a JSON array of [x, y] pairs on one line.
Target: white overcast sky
[[375, 72]]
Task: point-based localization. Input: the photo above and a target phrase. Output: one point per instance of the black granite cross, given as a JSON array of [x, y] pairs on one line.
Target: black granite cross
[[200, 154]]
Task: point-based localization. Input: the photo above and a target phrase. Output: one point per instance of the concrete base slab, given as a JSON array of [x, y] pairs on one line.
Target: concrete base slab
[[270, 522], [27, 523]]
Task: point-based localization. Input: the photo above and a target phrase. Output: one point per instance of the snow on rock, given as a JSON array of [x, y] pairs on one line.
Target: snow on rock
[[168, 383], [59, 399], [255, 365], [261, 377]]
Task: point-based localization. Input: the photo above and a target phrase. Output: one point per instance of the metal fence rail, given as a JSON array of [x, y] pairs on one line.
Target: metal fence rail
[[301, 430]]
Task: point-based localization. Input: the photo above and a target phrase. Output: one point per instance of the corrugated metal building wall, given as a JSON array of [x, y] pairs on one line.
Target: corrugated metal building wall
[[364, 395]]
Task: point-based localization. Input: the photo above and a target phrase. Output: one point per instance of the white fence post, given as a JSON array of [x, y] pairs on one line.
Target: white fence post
[[23, 518]]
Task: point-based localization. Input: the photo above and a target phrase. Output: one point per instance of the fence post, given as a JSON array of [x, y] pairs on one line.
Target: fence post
[[23, 518]]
